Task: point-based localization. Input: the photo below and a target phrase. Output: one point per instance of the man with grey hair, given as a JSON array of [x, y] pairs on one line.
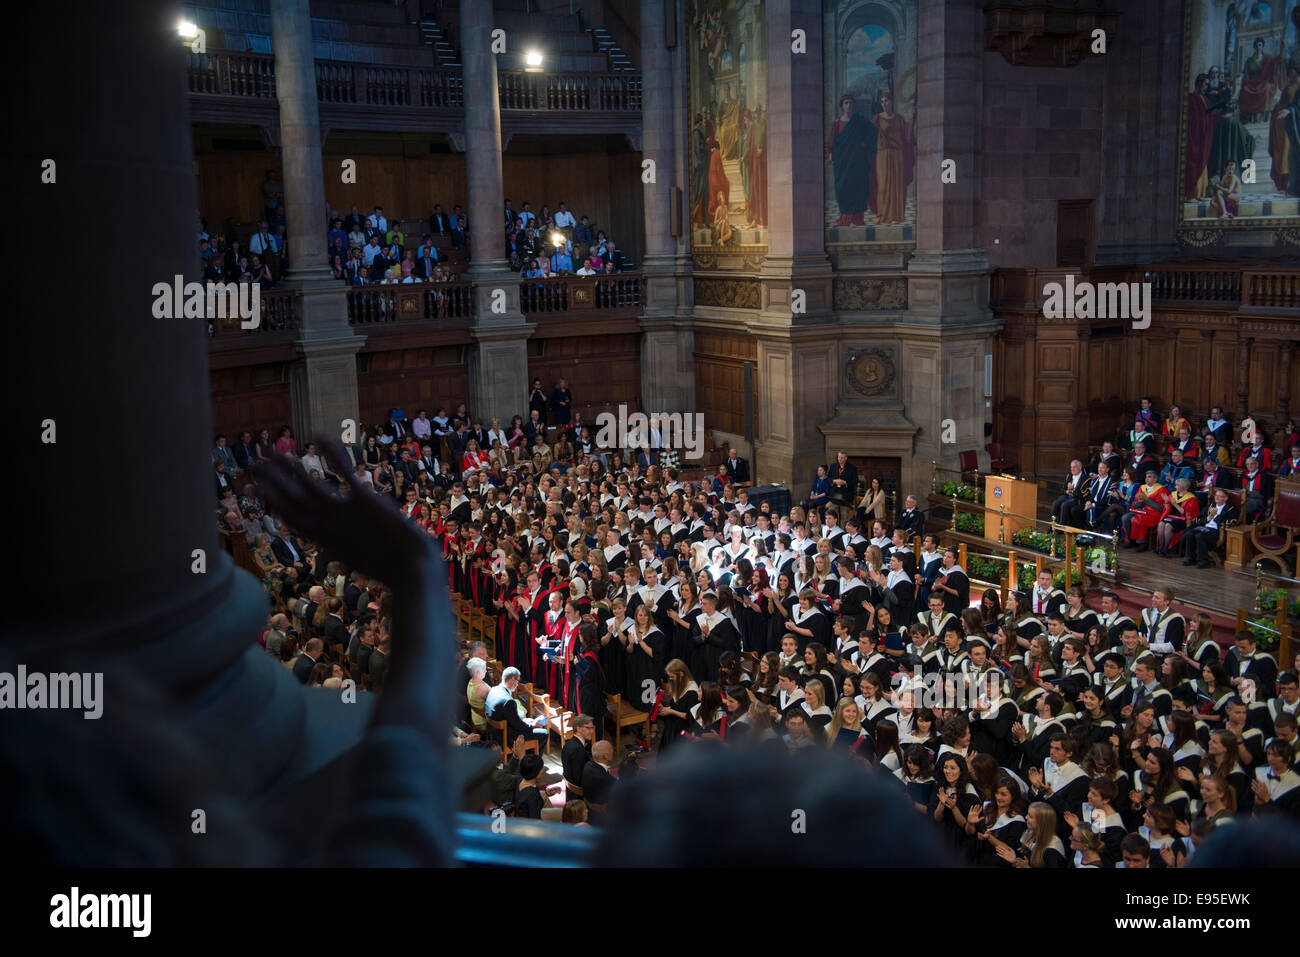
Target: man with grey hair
[[597, 782], [502, 705], [275, 634]]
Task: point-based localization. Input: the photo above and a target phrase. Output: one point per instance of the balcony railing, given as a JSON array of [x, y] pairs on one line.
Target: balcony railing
[[369, 305], [1275, 287], [252, 75], [608, 92], [279, 313], [575, 293]]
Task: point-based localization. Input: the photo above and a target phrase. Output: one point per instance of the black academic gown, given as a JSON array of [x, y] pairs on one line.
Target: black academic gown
[[644, 670], [722, 637]]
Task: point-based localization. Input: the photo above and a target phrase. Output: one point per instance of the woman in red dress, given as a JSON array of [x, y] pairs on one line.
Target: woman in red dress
[[1147, 511], [1180, 509], [474, 459]]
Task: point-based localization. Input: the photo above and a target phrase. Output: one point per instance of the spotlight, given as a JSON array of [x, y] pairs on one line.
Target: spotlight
[[533, 58], [187, 30]]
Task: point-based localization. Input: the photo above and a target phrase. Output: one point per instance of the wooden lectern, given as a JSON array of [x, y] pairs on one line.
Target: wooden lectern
[[1020, 498]]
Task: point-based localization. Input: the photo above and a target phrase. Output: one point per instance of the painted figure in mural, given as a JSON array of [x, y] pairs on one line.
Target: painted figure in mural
[[719, 185], [699, 172], [1200, 133], [1231, 142], [851, 150], [755, 165], [1227, 194], [1261, 77], [728, 123], [746, 127], [895, 158], [721, 225], [1282, 142]]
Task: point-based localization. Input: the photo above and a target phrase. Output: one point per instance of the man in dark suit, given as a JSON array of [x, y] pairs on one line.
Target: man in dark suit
[[307, 658], [597, 782], [1203, 534], [844, 479], [359, 649], [439, 222], [426, 261], [245, 452], [1074, 485], [288, 552], [912, 519], [377, 663], [220, 478], [535, 425], [737, 468], [336, 629], [458, 233], [1114, 461], [1094, 504], [501, 705], [577, 750]]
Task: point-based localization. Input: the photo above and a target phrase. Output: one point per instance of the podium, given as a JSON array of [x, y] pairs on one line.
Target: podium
[[1020, 497]]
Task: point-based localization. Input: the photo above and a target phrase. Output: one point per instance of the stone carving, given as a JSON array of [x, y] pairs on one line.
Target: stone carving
[[867, 294], [731, 293], [871, 372], [1200, 238]]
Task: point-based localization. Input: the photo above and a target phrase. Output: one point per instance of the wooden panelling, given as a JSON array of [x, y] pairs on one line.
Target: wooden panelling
[[249, 397], [720, 358], [602, 372], [1045, 412], [409, 379]]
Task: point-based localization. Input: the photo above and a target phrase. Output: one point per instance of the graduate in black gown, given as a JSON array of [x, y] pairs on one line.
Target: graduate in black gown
[[714, 634], [613, 647], [1000, 821], [590, 676], [952, 584], [647, 648], [680, 695], [683, 618], [781, 599], [807, 622], [657, 597]]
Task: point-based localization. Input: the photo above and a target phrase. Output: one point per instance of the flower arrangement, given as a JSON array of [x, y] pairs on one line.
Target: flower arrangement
[[965, 492], [970, 522], [984, 569]]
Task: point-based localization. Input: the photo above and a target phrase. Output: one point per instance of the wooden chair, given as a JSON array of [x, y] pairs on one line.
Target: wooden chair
[[997, 462], [970, 467], [529, 745], [1275, 537], [623, 715]]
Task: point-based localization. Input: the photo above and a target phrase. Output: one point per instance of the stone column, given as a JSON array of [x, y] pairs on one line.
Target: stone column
[[796, 369], [323, 383], [948, 329], [119, 589], [667, 343], [498, 366]]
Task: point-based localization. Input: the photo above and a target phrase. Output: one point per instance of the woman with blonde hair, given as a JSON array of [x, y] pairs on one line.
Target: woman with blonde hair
[[1201, 648], [846, 730], [680, 695], [814, 705], [1039, 845]]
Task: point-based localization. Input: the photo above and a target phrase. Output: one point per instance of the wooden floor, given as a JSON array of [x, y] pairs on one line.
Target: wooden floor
[[1207, 587]]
